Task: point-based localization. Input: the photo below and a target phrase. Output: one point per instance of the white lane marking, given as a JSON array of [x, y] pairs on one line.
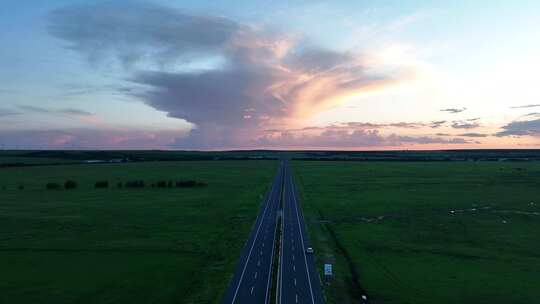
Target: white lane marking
[[293, 257], [296, 298], [263, 244], [255, 240], [252, 289], [256, 274], [294, 268], [258, 263], [294, 281], [260, 252], [302, 239]]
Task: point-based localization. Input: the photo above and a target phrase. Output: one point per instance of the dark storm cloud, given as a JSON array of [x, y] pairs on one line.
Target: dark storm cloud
[[138, 31], [454, 110], [526, 106], [265, 78], [521, 128]]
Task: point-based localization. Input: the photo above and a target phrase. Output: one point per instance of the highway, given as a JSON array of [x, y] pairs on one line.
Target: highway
[[251, 281], [298, 278]]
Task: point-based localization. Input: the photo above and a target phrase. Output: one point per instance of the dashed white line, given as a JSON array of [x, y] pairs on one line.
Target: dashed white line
[[256, 274], [296, 298], [252, 289], [294, 268], [258, 263], [294, 281]]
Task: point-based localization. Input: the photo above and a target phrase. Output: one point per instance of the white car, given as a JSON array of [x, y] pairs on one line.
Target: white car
[[309, 250]]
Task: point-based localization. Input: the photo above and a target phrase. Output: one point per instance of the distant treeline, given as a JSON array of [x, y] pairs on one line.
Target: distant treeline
[[103, 157], [413, 159]]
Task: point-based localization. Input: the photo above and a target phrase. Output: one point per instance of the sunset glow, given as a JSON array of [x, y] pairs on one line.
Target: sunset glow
[[302, 75]]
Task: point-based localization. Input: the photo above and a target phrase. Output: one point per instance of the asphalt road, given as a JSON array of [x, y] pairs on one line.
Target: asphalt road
[[251, 282], [298, 278]]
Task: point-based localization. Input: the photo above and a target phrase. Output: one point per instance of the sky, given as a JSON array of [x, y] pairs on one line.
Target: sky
[[214, 75]]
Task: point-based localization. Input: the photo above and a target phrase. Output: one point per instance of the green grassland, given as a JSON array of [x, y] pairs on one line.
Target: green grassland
[[389, 229], [118, 245]]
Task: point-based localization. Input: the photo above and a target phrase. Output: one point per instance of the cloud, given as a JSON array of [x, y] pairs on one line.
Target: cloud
[[75, 112], [349, 139], [132, 32], [8, 112], [465, 125], [521, 128], [454, 110], [274, 75], [41, 110], [526, 106], [353, 125], [472, 134], [89, 139], [437, 124]]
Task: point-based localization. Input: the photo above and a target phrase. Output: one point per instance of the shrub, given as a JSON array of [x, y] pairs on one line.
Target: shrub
[[70, 184], [101, 184], [119, 185], [169, 184], [20, 187], [135, 184], [53, 186], [161, 184], [189, 184]]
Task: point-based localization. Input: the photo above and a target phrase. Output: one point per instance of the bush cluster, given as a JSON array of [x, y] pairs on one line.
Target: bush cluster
[[189, 184], [134, 184], [101, 184], [70, 184]]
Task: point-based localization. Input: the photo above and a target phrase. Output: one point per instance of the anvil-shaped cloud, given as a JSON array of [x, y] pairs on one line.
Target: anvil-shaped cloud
[[263, 79]]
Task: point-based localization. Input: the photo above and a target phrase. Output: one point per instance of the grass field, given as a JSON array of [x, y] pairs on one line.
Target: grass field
[[413, 232], [150, 245]]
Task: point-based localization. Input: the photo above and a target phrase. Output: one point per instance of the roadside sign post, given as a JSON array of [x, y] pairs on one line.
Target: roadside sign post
[[328, 273]]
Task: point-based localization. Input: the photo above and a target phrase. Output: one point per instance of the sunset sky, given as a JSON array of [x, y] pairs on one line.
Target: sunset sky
[[211, 75]]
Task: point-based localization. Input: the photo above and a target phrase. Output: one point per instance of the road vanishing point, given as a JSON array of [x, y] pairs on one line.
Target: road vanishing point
[[274, 266]]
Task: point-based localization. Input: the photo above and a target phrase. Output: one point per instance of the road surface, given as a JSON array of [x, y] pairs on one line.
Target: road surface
[[251, 282], [298, 278]]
